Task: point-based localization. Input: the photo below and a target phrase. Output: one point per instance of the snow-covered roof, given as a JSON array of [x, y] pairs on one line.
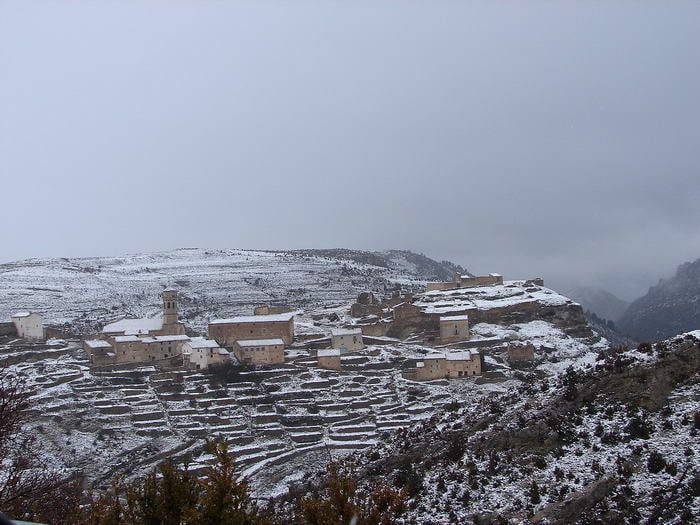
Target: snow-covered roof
[[169, 338], [223, 351], [464, 355], [259, 342], [19, 315], [126, 339], [272, 318], [201, 342], [495, 275], [461, 356], [134, 326], [97, 343], [346, 331], [447, 318], [333, 352]]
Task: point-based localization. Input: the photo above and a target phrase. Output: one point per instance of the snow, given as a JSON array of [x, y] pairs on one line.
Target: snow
[[454, 318], [510, 293], [169, 338], [97, 343], [19, 315], [346, 331], [272, 318], [126, 339], [249, 343], [135, 326], [329, 352], [201, 342]]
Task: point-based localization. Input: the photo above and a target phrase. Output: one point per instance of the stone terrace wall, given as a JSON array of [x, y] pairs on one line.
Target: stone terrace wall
[[8, 329]]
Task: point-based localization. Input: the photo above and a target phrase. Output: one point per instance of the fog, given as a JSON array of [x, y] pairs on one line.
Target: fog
[[554, 139]]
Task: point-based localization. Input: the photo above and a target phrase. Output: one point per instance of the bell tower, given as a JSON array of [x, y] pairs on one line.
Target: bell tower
[[169, 307]]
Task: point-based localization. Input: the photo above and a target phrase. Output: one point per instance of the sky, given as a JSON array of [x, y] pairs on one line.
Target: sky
[[554, 139]]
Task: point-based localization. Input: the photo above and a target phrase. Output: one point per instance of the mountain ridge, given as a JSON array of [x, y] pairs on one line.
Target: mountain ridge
[[670, 307]]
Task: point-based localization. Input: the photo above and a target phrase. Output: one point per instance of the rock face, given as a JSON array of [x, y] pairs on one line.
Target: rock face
[[669, 308], [601, 302]]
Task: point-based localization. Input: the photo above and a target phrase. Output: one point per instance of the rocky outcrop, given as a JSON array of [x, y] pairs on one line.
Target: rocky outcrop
[[669, 308]]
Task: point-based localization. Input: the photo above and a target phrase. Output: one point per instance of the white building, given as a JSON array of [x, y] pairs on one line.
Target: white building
[[200, 353], [259, 351], [347, 339], [29, 325]]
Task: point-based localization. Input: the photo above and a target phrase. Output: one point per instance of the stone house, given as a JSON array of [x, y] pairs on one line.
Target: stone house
[[100, 351], [347, 339], [134, 349], [454, 328], [329, 359], [259, 351], [274, 326], [29, 325], [447, 366], [200, 353], [521, 353]]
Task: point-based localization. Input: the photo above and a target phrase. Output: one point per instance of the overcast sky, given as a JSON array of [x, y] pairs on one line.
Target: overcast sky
[[559, 139]]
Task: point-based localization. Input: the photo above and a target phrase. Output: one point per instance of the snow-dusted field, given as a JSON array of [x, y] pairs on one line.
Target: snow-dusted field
[[211, 283]]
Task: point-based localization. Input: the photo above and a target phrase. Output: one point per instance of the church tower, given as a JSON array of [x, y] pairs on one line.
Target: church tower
[[169, 307]]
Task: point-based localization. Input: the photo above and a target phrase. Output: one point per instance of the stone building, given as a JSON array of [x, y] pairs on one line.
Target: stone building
[[200, 353], [29, 325], [131, 348], [466, 281], [329, 359], [135, 341], [447, 366], [522, 353], [227, 331], [454, 328], [100, 351], [259, 351], [347, 339], [165, 324]]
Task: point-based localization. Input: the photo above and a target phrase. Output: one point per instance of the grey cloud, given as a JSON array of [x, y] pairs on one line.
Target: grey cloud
[[555, 139]]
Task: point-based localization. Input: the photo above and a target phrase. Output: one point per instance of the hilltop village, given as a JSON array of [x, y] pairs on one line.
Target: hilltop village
[[438, 318], [283, 385]]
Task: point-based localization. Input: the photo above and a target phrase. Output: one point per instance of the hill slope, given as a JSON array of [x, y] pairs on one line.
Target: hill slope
[[614, 441], [669, 308], [87, 292]]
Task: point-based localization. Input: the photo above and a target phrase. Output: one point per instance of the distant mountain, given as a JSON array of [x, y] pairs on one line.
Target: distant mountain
[[601, 302], [608, 329], [669, 308]]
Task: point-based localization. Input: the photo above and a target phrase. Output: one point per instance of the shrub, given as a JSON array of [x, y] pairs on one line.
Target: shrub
[[656, 462]]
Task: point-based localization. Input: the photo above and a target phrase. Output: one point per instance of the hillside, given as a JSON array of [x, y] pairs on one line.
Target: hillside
[[601, 302], [614, 440], [278, 419], [671, 307], [88, 292]]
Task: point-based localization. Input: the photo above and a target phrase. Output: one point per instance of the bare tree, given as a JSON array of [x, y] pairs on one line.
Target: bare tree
[[27, 488]]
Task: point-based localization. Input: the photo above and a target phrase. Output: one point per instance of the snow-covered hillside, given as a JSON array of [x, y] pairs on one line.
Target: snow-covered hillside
[[211, 283]]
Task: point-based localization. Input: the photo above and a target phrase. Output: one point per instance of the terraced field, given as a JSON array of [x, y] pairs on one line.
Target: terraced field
[[275, 420]]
